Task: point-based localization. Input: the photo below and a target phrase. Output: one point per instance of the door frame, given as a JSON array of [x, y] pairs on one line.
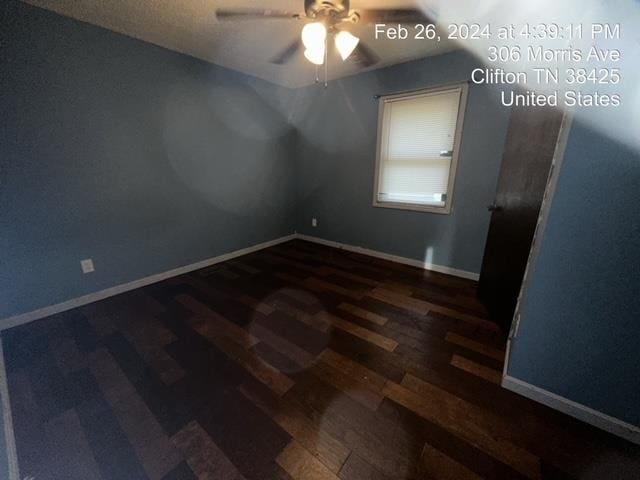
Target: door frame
[[538, 234], [581, 412]]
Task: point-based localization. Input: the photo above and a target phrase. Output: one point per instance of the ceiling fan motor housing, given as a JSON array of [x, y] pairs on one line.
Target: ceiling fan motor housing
[[329, 8]]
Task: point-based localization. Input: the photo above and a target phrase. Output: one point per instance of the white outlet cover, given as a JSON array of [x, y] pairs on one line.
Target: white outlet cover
[[87, 265]]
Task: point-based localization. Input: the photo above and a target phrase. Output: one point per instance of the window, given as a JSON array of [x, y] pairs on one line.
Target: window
[[418, 143]]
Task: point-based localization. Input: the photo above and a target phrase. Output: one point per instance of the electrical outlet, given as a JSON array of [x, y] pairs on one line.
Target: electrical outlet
[[87, 265], [314, 222]]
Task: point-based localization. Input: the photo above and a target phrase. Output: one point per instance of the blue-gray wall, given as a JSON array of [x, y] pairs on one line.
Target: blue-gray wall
[[580, 326], [140, 158], [145, 160], [337, 130]]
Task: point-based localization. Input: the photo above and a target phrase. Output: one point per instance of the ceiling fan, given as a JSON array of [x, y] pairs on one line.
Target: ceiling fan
[[325, 18]]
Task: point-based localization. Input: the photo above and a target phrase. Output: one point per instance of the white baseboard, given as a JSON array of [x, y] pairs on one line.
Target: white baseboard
[[31, 316], [7, 419], [394, 258], [577, 410], [27, 317]]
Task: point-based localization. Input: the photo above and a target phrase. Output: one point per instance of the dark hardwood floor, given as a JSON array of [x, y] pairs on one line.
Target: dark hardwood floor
[[299, 361]]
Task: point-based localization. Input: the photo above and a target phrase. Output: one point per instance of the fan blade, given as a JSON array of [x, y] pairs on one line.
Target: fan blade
[[363, 56], [253, 14], [287, 54], [406, 15]]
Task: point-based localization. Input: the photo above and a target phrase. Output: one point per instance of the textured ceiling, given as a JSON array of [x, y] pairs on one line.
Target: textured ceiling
[[190, 27]]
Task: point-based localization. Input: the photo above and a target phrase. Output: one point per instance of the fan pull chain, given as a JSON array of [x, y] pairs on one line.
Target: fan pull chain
[[326, 60], [317, 74]]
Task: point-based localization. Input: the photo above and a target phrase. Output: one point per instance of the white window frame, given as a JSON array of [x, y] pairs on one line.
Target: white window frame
[[462, 106]]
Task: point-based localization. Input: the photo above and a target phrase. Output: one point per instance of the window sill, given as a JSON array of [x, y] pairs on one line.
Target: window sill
[[446, 210]]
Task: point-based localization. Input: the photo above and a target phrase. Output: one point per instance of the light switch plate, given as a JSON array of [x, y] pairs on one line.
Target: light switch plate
[[314, 222]]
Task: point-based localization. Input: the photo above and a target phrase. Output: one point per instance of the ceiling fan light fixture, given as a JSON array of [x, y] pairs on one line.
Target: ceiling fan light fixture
[[314, 35], [315, 55], [346, 43]]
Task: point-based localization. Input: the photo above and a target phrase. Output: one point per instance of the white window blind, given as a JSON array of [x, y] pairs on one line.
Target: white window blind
[[417, 146]]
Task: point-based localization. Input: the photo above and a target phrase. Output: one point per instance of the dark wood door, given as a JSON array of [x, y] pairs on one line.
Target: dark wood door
[[528, 155]]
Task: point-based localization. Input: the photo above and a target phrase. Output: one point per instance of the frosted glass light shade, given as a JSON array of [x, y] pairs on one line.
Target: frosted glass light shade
[[315, 55], [314, 35], [346, 43]]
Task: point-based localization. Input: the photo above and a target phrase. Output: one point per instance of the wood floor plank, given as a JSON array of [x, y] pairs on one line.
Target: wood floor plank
[[303, 300], [310, 339], [319, 285], [240, 265], [301, 465], [327, 270], [254, 303], [452, 445], [280, 302], [300, 295], [422, 307], [480, 428], [66, 352], [288, 278], [420, 345], [65, 432], [150, 346], [398, 287], [213, 294], [438, 466], [434, 323], [157, 358], [475, 346], [31, 443], [467, 317], [276, 359], [347, 283], [204, 457], [360, 429], [151, 444], [356, 468], [451, 299], [355, 370], [220, 331], [261, 370], [212, 325], [279, 259], [474, 368], [148, 330], [359, 391], [399, 300], [181, 472], [367, 354], [362, 313], [112, 380], [226, 273], [330, 452], [372, 337], [194, 353], [101, 323], [249, 438], [154, 449], [286, 413], [282, 345], [105, 435]]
